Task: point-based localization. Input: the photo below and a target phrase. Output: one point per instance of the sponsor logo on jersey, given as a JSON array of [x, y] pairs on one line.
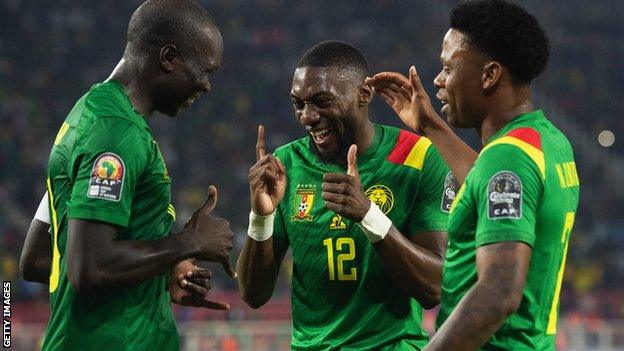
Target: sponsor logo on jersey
[[337, 223], [382, 196], [107, 177], [450, 189], [505, 196], [302, 206]]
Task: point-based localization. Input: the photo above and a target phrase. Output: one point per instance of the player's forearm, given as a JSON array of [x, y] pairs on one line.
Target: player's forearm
[[459, 156], [36, 257], [416, 270], [257, 272], [127, 262], [475, 319]]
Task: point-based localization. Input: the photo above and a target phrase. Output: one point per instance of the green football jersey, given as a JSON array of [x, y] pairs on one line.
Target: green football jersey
[[342, 299], [523, 187], [105, 166]]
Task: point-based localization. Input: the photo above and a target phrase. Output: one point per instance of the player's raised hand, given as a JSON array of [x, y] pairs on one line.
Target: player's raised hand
[[343, 192], [267, 179], [407, 97], [212, 234], [189, 284]]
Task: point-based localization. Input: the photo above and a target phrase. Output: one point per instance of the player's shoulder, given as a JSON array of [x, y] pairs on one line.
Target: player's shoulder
[[108, 100], [517, 144], [408, 148]]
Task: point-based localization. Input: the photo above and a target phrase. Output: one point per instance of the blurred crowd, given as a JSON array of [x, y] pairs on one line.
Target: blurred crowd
[[51, 52]]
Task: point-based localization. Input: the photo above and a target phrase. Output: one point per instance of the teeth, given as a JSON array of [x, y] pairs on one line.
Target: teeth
[[320, 134]]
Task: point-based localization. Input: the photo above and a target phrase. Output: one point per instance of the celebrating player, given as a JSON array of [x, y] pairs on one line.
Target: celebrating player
[[110, 199], [510, 222], [367, 229]]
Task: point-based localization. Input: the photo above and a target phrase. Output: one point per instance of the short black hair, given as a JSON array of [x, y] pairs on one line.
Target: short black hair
[[505, 32], [343, 55], [162, 22]]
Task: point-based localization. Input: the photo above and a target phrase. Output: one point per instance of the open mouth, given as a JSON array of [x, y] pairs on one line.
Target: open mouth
[[191, 100], [322, 136]]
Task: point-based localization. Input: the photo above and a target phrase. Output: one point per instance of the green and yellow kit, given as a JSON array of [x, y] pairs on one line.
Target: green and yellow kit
[[523, 187], [105, 166], [342, 298]]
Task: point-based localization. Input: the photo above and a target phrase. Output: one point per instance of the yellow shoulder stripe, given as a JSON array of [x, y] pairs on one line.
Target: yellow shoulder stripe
[[534, 153], [416, 157]]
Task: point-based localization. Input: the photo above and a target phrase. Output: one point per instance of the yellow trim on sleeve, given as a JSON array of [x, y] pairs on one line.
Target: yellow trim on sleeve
[[534, 153], [416, 157], [61, 133]]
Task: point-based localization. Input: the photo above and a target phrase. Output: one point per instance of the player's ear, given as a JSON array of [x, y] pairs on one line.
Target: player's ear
[[167, 57], [365, 94], [491, 75]]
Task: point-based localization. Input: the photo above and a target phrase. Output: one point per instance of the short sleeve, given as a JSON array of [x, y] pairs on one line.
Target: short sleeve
[[508, 187], [107, 165], [430, 212]]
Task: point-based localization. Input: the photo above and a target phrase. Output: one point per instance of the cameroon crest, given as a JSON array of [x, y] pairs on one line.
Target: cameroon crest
[[302, 206], [382, 196]]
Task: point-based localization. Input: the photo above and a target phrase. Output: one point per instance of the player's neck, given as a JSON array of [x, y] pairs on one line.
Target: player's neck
[[364, 136], [503, 110], [130, 77]]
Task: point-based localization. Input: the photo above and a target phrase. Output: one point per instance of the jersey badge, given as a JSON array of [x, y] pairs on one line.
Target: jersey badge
[[505, 196], [450, 189], [382, 196], [337, 223], [107, 177], [302, 206]]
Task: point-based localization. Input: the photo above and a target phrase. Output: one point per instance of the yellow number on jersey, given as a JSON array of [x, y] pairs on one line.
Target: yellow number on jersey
[[565, 240], [349, 255]]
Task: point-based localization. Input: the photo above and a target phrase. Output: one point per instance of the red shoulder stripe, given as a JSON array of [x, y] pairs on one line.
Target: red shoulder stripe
[[405, 143], [528, 135]]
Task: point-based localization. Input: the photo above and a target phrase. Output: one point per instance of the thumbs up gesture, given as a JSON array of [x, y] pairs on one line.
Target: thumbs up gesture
[[212, 235], [343, 193]]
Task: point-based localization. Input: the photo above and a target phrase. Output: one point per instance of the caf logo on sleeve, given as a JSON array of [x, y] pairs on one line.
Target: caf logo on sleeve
[[107, 177], [505, 196], [450, 188]]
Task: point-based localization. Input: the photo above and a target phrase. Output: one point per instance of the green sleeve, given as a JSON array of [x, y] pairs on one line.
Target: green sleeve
[[107, 164], [427, 213], [507, 190]]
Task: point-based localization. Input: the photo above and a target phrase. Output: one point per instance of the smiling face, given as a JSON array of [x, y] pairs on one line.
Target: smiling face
[[189, 73], [460, 87], [325, 101]]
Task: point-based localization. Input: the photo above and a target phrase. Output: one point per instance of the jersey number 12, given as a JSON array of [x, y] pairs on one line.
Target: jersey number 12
[[347, 247]]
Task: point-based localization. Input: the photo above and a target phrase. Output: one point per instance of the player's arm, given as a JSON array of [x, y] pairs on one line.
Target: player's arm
[[259, 262], [36, 257], [415, 264], [507, 188], [97, 260], [410, 101], [502, 268]]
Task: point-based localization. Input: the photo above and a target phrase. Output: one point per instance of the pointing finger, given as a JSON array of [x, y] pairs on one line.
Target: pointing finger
[[260, 144]]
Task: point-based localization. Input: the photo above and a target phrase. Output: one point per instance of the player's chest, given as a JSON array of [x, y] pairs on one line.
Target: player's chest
[[304, 209]]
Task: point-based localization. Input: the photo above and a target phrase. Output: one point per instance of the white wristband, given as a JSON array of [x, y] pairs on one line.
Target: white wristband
[[260, 227], [375, 224], [43, 211]]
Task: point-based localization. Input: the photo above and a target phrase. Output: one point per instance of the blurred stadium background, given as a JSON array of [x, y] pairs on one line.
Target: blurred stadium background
[[51, 52]]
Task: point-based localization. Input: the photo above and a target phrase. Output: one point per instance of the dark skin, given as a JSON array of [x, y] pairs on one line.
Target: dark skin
[[189, 283], [322, 96], [36, 257], [477, 92], [164, 79]]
